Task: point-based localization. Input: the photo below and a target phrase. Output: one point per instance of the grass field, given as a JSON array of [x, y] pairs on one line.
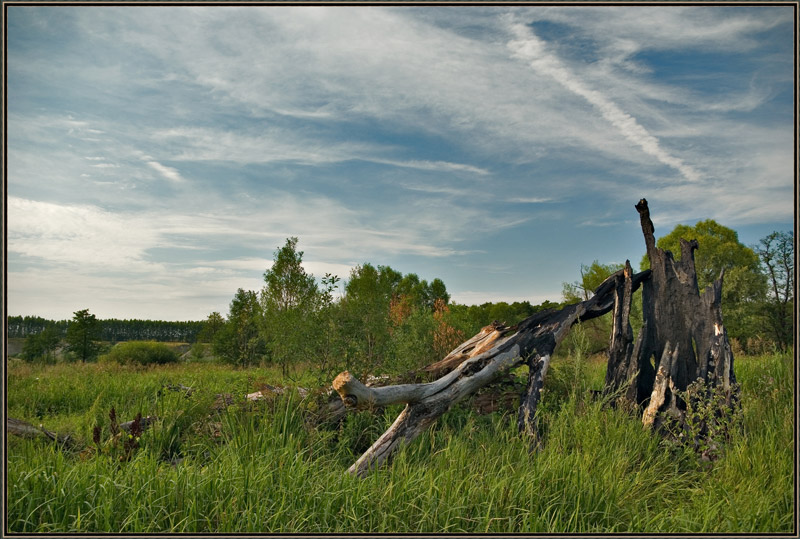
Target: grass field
[[263, 468]]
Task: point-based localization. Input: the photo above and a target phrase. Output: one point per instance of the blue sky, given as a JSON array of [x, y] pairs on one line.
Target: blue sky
[[158, 156]]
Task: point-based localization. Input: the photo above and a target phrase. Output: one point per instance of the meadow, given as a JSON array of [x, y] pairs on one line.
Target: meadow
[[269, 467]]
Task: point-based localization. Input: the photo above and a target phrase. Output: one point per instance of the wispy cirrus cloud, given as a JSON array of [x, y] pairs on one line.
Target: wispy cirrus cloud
[[420, 136], [530, 48]]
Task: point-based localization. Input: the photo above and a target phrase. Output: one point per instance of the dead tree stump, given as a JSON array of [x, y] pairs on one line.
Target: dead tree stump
[[682, 339]]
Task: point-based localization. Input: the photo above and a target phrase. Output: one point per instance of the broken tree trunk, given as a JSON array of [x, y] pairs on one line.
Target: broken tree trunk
[[682, 334], [629, 375], [474, 364]]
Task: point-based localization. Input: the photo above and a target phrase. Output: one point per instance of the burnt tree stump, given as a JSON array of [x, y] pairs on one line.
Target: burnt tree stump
[[682, 339]]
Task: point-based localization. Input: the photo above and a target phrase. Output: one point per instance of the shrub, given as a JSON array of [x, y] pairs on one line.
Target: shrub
[[198, 351], [141, 352]]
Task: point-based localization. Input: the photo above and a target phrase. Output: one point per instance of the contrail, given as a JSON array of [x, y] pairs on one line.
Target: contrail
[[532, 49]]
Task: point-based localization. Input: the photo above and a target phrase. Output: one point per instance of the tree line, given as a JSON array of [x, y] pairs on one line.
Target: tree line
[[81, 336], [381, 320], [111, 329]]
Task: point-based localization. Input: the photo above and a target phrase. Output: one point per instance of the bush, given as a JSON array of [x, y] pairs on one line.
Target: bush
[[141, 352], [198, 351]]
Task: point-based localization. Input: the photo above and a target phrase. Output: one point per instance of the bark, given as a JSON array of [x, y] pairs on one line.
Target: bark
[[629, 374], [478, 344], [621, 370]]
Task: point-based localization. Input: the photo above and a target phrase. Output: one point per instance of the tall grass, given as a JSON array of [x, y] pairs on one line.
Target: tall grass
[[261, 467]]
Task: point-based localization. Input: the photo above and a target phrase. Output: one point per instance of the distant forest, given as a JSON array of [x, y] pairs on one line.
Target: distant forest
[[112, 329]]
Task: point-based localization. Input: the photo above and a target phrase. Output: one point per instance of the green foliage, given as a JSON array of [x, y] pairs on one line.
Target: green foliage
[[213, 324], [719, 248], [42, 346], [83, 336], [112, 329], [198, 351], [140, 353], [366, 317], [710, 420], [289, 300], [598, 331], [288, 286], [414, 342], [471, 318], [328, 344], [115, 330], [592, 276], [23, 326], [240, 341], [776, 252]]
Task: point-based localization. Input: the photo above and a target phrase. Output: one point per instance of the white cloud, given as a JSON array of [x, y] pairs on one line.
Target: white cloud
[[284, 111], [167, 172], [530, 200], [80, 235], [437, 166], [630, 29]]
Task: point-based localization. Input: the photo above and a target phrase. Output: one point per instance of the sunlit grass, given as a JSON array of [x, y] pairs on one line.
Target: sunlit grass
[[263, 468]]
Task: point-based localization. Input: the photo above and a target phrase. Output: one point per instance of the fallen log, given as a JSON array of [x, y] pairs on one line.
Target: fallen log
[[23, 429], [481, 360]]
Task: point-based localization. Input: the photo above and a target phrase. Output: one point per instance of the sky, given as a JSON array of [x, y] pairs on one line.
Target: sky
[[159, 156]]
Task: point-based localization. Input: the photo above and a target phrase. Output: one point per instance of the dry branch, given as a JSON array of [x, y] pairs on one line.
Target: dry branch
[[26, 430]]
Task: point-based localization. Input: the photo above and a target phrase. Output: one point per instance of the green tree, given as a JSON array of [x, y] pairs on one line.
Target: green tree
[[290, 299], [83, 336], [719, 248], [213, 324], [42, 346], [239, 341], [329, 349], [366, 320], [591, 277], [437, 291], [288, 286], [776, 252]]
